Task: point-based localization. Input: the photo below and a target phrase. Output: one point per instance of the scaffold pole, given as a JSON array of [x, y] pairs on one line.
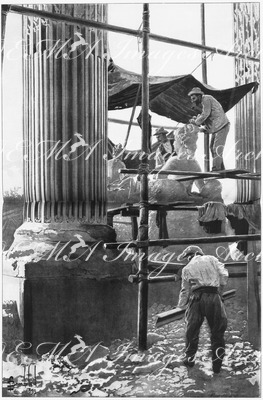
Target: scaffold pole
[[204, 77], [143, 171]]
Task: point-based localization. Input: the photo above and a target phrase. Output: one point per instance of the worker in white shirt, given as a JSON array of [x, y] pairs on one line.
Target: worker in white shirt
[[203, 280], [215, 121], [165, 149]]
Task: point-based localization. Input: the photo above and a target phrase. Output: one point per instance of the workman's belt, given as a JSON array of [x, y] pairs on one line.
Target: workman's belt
[[206, 289]]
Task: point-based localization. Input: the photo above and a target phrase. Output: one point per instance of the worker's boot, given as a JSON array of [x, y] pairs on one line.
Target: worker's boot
[[189, 361], [217, 360], [217, 366]]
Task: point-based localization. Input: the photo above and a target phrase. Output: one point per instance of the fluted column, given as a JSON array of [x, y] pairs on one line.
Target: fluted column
[[248, 138], [65, 116]]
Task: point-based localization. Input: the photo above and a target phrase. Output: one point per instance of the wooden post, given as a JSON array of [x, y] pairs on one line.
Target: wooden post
[[143, 228], [204, 77], [253, 298]]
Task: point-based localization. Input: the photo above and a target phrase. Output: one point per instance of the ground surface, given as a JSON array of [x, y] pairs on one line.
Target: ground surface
[[121, 371]]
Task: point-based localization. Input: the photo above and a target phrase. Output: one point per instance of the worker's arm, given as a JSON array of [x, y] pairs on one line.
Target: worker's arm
[[184, 292], [200, 119], [223, 275]]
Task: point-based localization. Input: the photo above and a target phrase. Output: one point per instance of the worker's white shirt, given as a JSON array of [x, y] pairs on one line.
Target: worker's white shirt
[[201, 271], [212, 115]]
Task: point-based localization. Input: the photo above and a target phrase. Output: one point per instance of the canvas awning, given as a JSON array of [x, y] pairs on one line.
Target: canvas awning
[[168, 96]]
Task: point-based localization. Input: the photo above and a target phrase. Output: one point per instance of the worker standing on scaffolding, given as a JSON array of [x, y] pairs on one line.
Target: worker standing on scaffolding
[[216, 122], [203, 279], [165, 149]]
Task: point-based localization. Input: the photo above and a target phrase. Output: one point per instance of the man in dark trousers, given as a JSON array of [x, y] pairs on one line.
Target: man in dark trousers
[[203, 280], [215, 121]]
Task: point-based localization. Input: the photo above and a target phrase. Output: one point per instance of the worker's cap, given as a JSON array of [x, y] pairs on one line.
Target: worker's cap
[[195, 90], [160, 131], [189, 251]]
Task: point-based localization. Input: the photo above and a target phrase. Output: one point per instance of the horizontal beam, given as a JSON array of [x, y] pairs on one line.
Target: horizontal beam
[[245, 177], [201, 47], [240, 274], [186, 173], [172, 267], [123, 122], [155, 279], [189, 175], [118, 29], [172, 242], [176, 278], [32, 12]]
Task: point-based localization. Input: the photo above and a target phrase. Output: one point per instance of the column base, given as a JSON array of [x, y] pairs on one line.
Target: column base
[[71, 284]]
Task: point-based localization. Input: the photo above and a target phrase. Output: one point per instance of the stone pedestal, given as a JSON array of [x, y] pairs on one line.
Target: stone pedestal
[[71, 285]]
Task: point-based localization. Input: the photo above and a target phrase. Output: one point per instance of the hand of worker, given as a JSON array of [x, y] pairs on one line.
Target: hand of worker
[[192, 120], [203, 129]]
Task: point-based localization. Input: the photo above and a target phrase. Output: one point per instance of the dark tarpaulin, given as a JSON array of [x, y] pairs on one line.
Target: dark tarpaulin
[[168, 95]]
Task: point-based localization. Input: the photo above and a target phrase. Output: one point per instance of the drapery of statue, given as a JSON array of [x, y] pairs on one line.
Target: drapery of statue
[[165, 188], [65, 116]]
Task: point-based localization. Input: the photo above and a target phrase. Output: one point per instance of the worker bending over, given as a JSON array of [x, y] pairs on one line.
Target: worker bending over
[[203, 280]]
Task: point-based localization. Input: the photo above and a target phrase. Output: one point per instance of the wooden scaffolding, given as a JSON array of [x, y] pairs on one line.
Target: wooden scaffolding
[[142, 242]]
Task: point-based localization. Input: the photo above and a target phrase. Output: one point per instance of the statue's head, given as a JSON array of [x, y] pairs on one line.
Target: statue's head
[[185, 141]]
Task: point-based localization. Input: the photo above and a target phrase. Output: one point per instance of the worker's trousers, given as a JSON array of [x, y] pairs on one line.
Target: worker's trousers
[[207, 305], [217, 146]]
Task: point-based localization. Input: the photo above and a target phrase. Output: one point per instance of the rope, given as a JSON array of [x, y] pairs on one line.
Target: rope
[[132, 115], [206, 57], [144, 169], [139, 40]]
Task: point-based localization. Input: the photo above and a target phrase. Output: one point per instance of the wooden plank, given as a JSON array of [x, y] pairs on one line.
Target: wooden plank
[[227, 173], [237, 177], [172, 242]]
